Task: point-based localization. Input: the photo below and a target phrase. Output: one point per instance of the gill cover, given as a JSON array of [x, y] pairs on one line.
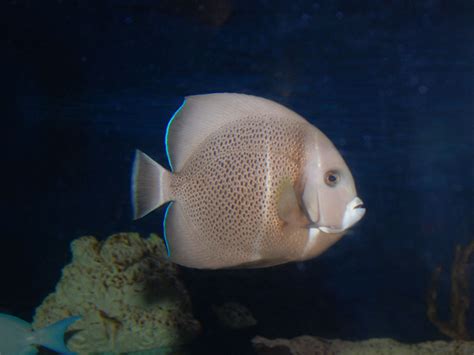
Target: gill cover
[[328, 206]]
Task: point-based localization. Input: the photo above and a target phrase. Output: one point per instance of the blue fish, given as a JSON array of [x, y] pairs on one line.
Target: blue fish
[[18, 338]]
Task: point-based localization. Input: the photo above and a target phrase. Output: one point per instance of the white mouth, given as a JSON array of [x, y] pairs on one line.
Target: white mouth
[[354, 212]]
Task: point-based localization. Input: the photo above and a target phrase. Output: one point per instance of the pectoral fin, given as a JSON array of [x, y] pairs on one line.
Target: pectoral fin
[[289, 208]]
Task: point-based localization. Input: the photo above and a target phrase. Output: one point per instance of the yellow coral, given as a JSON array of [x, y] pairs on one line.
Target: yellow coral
[[127, 293]]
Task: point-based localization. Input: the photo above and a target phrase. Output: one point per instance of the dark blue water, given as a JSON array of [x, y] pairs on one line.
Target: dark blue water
[[391, 83]]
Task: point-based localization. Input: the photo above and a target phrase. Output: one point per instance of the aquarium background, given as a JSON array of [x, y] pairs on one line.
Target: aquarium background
[[390, 82]]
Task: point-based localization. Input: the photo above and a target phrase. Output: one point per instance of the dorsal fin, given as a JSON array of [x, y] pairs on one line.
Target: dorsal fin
[[200, 115]]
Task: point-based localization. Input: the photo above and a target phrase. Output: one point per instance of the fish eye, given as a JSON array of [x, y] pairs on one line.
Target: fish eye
[[331, 178]]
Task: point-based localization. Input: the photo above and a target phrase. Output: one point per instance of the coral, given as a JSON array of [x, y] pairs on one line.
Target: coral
[[456, 327], [307, 345], [127, 293], [234, 315]]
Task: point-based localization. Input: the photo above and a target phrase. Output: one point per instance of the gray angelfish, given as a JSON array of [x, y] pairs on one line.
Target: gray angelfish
[[253, 184]]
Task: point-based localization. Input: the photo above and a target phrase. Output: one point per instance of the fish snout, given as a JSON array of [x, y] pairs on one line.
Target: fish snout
[[355, 210], [353, 213]]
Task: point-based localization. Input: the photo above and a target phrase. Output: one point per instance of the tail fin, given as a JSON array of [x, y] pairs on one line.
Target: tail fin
[[52, 337], [150, 185]]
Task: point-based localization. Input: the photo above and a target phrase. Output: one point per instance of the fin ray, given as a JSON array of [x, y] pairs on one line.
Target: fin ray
[[52, 337], [150, 185]]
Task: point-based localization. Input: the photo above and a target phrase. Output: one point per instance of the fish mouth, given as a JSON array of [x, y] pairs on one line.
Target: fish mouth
[[354, 212]]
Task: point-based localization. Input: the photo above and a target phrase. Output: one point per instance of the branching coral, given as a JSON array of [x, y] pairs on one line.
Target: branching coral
[[456, 327], [127, 294]]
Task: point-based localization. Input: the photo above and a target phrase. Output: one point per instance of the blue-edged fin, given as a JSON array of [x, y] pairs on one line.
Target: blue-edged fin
[[52, 337], [201, 115], [150, 185], [186, 246]]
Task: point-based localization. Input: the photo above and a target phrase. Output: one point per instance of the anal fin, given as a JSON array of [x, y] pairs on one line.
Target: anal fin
[[186, 246]]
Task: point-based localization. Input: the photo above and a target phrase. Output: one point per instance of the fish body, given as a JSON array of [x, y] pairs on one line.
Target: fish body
[[253, 185], [17, 337]]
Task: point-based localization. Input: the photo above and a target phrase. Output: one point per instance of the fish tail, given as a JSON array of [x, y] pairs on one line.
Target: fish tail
[[150, 185], [52, 337]]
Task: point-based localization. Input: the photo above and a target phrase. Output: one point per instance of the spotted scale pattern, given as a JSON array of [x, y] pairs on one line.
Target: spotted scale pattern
[[229, 188]]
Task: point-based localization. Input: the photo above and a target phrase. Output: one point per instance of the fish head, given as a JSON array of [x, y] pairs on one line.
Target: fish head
[[329, 196]]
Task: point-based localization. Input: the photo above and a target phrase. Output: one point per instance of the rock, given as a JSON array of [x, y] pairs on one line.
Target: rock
[[311, 345], [234, 315]]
